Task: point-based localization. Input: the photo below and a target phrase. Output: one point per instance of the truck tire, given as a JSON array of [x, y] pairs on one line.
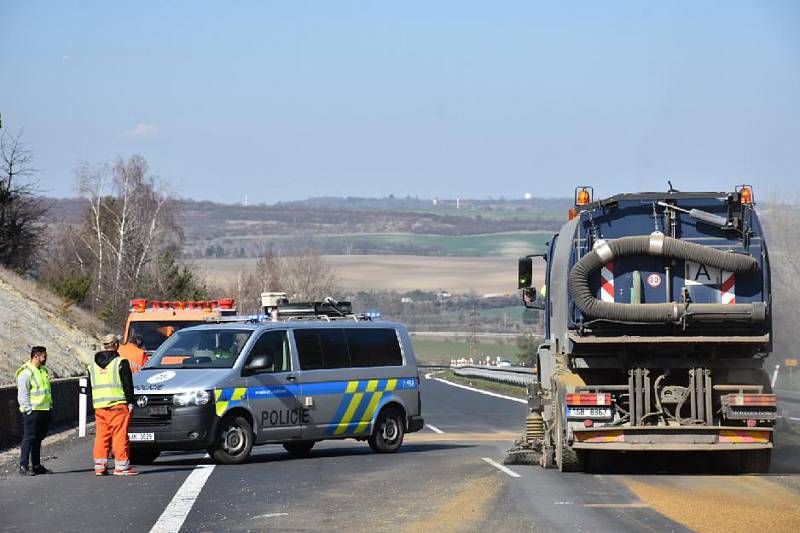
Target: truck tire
[[755, 461], [567, 459], [144, 456], [234, 441], [300, 448], [388, 433]]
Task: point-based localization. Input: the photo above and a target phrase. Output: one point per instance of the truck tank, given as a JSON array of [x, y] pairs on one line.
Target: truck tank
[[657, 323]]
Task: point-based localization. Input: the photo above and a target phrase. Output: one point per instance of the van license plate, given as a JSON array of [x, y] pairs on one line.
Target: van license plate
[[588, 412], [141, 437]]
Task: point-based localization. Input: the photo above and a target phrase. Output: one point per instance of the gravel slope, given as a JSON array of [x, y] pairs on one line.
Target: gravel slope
[[25, 323]]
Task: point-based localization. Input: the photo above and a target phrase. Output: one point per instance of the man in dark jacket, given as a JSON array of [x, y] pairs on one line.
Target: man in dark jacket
[[112, 398]]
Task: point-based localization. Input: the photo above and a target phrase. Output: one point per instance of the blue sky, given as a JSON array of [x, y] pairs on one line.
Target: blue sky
[[286, 100]]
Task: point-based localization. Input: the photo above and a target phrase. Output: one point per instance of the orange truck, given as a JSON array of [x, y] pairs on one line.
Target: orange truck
[[156, 320]]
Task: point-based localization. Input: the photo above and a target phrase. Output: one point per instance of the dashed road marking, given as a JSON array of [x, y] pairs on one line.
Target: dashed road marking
[[518, 400], [501, 467], [434, 429], [173, 517]]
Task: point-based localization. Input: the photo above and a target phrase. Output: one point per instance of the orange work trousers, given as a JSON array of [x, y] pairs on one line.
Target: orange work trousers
[[111, 433]]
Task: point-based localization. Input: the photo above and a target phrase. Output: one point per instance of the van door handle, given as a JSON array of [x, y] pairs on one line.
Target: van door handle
[[291, 378]]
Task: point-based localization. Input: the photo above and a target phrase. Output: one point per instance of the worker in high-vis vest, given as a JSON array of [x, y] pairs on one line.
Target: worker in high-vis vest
[[112, 398], [35, 403]]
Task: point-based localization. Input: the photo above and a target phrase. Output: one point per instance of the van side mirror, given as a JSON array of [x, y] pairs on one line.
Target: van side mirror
[[259, 362], [524, 272]]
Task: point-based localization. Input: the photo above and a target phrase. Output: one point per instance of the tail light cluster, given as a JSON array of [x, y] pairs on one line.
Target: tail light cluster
[[588, 398], [749, 406]]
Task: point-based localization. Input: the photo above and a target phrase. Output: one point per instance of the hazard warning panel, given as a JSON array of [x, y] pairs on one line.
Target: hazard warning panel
[[710, 285]]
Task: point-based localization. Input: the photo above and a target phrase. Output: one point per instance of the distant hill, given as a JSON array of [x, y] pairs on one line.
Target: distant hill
[[350, 225]]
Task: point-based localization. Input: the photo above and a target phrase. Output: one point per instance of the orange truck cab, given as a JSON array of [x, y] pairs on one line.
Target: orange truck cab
[[156, 320]]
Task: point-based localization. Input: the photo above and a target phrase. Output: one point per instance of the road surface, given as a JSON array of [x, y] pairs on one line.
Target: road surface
[[447, 477]]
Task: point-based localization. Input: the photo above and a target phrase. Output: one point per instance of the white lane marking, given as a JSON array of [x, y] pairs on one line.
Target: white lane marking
[[171, 520], [434, 429], [501, 467], [270, 515], [793, 418], [503, 396], [429, 374]]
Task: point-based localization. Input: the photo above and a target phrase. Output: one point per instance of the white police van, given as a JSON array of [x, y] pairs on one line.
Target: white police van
[[297, 380]]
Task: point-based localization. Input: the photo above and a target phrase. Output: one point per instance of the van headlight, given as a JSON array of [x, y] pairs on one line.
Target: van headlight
[[195, 397]]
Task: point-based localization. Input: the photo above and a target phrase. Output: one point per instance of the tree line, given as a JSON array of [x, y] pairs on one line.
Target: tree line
[[127, 243]]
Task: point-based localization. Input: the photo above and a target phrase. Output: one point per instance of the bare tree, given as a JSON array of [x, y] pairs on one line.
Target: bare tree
[[303, 277], [21, 209], [92, 185], [128, 229]]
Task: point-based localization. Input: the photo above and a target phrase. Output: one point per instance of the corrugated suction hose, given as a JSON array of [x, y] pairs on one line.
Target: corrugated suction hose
[[661, 245]]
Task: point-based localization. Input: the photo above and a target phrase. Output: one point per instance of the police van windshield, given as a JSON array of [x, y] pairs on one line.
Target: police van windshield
[[155, 332], [201, 348]]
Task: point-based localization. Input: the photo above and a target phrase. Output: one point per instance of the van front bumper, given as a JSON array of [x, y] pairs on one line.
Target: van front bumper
[[187, 428]]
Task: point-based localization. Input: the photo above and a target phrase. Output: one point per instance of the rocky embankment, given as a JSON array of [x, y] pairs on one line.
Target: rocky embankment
[[31, 316]]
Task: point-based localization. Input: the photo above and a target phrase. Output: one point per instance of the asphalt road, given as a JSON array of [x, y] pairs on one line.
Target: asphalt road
[[439, 481]]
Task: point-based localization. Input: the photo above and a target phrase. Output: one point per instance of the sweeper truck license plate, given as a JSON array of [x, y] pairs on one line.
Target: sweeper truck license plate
[[588, 412]]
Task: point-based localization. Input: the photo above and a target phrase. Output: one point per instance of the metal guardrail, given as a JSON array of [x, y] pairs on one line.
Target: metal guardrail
[[512, 375]]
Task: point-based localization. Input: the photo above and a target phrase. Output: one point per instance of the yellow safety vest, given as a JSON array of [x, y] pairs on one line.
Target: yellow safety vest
[[41, 396], [106, 384]]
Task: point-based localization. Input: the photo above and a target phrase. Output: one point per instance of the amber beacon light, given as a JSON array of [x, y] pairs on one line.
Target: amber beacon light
[[745, 194]]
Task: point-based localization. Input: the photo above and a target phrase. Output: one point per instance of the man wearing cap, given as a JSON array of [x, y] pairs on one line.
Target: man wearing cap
[[35, 403], [112, 398]]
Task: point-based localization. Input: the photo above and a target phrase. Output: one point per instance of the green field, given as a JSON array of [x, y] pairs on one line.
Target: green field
[[434, 351], [510, 313], [511, 244], [534, 215], [497, 244]]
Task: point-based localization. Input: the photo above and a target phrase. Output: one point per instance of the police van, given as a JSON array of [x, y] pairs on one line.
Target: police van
[[294, 379]]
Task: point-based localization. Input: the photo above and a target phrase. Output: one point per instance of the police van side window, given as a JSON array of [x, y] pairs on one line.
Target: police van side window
[[374, 347], [322, 348], [276, 345], [308, 349], [334, 348]]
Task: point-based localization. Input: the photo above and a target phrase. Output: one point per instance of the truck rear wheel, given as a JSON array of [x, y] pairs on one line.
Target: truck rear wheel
[[755, 461], [567, 459]]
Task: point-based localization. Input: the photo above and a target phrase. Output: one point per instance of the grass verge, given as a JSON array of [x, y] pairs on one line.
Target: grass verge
[[484, 384]]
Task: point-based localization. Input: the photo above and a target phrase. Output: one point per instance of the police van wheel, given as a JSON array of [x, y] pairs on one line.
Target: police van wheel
[[388, 433], [299, 448], [144, 457], [234, 441]]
